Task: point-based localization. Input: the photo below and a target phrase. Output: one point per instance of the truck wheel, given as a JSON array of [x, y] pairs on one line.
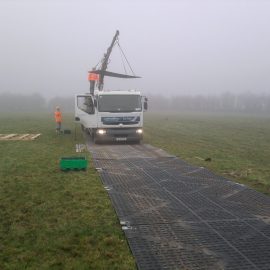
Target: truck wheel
[[94, 137]]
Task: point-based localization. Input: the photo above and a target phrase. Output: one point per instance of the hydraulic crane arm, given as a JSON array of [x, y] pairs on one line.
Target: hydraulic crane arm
[[105, 60], [102, 70]]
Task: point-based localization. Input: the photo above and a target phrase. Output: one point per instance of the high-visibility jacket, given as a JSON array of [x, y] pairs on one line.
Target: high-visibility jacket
[[58, 117], [93, 76]]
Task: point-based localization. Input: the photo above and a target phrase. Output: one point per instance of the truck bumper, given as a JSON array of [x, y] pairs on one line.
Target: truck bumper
[[119, 135]]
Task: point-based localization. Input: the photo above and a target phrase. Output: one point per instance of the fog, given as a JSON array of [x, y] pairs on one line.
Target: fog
[[178, 47], [246, 103]]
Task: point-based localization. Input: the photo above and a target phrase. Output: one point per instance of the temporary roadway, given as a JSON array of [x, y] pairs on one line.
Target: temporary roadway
[[179, 216]]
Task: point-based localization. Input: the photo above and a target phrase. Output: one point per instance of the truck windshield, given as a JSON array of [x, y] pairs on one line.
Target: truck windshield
[[119, 103]]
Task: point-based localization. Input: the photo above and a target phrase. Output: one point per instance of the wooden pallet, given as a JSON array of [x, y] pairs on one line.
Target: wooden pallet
[[18, 137]]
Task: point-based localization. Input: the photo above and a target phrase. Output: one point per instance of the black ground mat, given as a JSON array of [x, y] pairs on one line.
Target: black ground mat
[[192, 246], [179, 216]]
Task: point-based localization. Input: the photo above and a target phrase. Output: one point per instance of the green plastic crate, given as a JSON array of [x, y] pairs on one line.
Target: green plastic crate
[[73, 163]]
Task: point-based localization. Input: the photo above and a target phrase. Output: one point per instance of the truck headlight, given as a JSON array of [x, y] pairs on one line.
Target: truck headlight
[[101, 131], [139, 131]]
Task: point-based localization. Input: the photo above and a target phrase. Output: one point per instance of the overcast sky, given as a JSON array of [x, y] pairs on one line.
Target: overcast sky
[[178, 47]]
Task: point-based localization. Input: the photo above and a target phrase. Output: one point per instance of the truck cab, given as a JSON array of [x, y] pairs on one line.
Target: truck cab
[[112, 115]]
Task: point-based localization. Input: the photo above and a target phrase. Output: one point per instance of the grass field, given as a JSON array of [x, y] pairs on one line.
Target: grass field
[[51, 219], [238, 145], [64, 220]]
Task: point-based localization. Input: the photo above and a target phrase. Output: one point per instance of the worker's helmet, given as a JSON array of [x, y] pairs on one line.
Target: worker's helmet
[[57, 108]]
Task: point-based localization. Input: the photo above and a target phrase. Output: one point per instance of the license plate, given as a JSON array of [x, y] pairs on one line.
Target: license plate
[[121, 139]]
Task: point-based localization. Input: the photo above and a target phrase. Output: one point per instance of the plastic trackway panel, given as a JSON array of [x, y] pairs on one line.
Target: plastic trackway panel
[[178, 216], [19, 137], [125, 151], [196, 246]]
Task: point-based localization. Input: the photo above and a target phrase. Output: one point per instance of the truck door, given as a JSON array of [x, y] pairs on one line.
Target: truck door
[[85, 111]]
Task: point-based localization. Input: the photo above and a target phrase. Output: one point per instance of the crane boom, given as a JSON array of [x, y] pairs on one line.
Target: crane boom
[[105, 60], [102, 70]]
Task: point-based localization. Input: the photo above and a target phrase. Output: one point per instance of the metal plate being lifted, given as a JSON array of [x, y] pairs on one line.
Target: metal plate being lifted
[[178, 216]]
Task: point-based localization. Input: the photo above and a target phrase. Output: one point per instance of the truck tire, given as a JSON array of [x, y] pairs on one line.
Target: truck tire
[[95, 140]]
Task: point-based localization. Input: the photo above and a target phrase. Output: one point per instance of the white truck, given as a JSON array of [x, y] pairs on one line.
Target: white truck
[[112, 115]]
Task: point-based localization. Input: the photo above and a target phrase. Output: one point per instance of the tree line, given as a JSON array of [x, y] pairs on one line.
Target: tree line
[[34, 103], [226, 102]]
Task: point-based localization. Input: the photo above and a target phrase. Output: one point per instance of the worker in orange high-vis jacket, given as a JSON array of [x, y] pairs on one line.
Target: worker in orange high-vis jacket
[[58, 119], [92, 78]]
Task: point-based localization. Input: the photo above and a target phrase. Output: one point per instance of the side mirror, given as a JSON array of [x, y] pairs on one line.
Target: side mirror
[[77, 118], [145, 105]]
